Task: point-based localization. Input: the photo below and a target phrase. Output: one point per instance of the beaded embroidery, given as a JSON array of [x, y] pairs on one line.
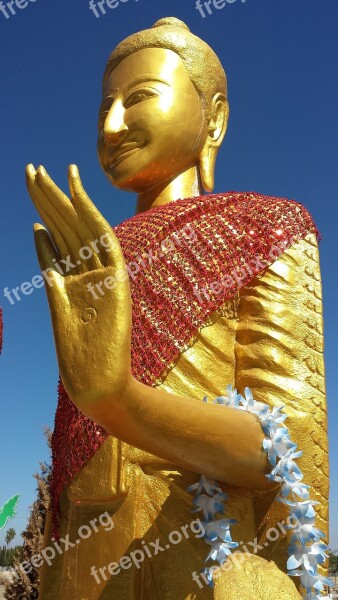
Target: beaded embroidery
[[236, 236]]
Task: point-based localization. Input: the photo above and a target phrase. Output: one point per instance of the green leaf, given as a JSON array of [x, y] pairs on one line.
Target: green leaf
[[8, 511]]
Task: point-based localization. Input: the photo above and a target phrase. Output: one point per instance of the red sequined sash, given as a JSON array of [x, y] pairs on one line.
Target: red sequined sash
[[184, 259]]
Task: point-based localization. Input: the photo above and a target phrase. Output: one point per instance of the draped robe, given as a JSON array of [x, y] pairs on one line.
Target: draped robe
[[195, 330]]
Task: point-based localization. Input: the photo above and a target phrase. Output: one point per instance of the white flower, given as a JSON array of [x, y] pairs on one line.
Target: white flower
[[209, 486], [273, 420], [232, 398], [308, 581], [309, 556], [221, 550], [218, 529], [210, 505], [279, 445]]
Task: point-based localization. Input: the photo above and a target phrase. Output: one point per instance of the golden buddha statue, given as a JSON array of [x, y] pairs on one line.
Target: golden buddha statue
[[137, 354]]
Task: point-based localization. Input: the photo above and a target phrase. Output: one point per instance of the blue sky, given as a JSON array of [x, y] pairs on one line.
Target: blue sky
[[281, 58]]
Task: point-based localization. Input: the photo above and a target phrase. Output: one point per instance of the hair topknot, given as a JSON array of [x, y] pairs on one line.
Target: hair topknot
[[200, 61], [171, 22]]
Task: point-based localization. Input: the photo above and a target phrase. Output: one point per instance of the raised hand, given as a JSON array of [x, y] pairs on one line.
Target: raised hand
[[93, 338], [92, 332]]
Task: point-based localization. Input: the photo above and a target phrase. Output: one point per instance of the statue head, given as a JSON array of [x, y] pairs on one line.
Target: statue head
[[164, 108]]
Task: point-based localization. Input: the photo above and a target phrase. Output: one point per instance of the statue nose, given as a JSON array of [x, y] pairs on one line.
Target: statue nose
[[112, 138], [115, 128]]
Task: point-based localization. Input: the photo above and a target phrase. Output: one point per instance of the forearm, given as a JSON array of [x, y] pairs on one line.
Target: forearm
[[220, 442]]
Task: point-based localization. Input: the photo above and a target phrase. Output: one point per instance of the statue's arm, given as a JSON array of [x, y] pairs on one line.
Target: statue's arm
[[220, 442], [279, 354], [93, 344]]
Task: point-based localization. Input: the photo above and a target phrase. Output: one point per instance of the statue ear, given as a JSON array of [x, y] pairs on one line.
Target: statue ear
[[217, 126]]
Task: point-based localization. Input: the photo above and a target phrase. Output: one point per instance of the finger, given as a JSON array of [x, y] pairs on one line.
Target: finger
[[95, 221], [47, 255], [60, 210], [75, 229], [40, 205], [46, 251]]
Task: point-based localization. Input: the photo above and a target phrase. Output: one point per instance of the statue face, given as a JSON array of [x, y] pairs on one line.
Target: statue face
[[151, 121]]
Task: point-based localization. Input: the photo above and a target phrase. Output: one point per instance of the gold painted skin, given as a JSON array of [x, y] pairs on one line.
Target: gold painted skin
[[170, 140], [145, 417]]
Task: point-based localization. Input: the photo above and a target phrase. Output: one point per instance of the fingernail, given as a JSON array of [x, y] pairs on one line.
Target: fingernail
[[73, 170], [38, 227]]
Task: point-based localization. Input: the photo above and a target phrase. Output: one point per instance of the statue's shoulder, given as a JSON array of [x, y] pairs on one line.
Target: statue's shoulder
[[220, 213], [254, 206], [256, 201]]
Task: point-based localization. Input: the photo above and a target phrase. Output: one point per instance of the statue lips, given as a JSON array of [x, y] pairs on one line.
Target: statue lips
[[123, 152]]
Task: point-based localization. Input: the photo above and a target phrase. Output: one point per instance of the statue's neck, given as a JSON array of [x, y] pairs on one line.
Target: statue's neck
[[186, 185]]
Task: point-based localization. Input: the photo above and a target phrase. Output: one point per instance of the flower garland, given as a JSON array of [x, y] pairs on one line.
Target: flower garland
[[306, 550]]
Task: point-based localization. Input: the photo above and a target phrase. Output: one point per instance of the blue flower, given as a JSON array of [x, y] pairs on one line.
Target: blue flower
[[305, 512], [286, 466], [308, 556], [219, 529], [306, 533], [307, 549], [232, 398], [279, 445], [208, 573], [308, 581], [210, 505], [271, 421], [292, 484], [209, 486], [221, 550]]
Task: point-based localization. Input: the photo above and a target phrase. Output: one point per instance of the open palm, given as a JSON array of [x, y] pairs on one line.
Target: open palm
[[92, 336]]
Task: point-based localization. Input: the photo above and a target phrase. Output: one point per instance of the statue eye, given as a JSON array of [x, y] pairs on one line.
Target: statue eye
[[139, 96]]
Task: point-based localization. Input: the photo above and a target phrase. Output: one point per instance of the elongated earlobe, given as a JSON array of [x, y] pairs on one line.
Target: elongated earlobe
[[207, 164], [216, 131]]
